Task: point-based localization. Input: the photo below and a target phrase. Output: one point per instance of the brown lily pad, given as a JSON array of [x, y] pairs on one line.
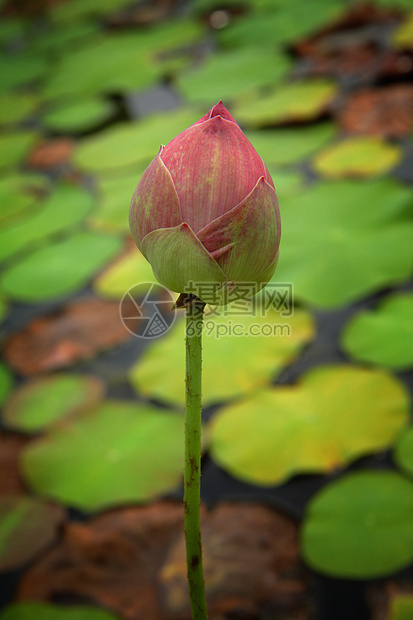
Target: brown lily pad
[[11, 446], [132, 561], [51, 153], [386, 112], [78, 331]]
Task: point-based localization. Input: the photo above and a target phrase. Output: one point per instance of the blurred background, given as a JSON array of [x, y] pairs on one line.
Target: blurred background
[[308, 449]]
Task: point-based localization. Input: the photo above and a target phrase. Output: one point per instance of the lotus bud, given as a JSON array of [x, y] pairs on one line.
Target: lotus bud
[[205, 211]]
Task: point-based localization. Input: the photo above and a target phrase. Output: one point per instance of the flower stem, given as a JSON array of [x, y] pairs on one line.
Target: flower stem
[[192, 474]]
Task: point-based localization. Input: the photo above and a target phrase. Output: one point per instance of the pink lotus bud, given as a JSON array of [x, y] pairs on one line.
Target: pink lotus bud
[[205, 210]]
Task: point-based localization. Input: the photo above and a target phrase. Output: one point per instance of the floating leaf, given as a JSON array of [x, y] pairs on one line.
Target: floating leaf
[[66, 206], [403, 36], [15, 107], [79, 116], [401, 608], [43, 611], [78, 331], [281, 22], [227, 74], [3, 309], [298, 101], [58, 269], [333, 416], [384, 336], [344, 256], [6, 382], [26, 527], [81, 9], [115, 196], [132, 143], [21, 69], [19, 192], [121, 452], [403, 453], [60, 39], [123, 274], [287, 146], [232, 365], [360, 527], [286, 182], [357, 157], [115, 63], [15, 146], [40, 403]]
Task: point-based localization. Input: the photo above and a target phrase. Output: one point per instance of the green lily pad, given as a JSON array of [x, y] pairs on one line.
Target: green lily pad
[[3, 309], [227, 74], [137, 454], [115, 63], [6, 382], [132, 143], [396, 4], [123, 274], [15, 107], [333, 416], [81, 9], [18, 193], [115, 195], [297, 101], [39, 403], [360, 527], [384, 336], [66, 206], [403, 36], [78, 116], [60, 268], [59, 39], [281, 22], [401, 607], [351, 251], [25, 68], [11, 29], [26, 610], [232, 366], [403, 452], [357, 157], [15, 146], [286, 182], [287, 146], [26, 527]]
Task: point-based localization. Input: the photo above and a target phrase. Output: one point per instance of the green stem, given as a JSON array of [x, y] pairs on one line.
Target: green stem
[[192, 474]]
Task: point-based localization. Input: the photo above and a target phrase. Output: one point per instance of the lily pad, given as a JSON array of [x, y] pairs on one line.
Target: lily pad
[[281, 22], [80, 9], [403, 36], [403, 453], [66, 206], [352, 250], [3, 309], [39, 403], [298, 101], [26, 527], [333, 416], [357, 157], [401, 607], [232, 366], [115, 63], [137, 453], [227, 74], [6, 382], [115, 193], [286, 182], [60, 268], [360, 527], [24, 68], [19, 192], [43, 611], [15, 107], [123, 274], [79, 116], [384, 336], [132, 143], [287, 146], [15, 146]]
